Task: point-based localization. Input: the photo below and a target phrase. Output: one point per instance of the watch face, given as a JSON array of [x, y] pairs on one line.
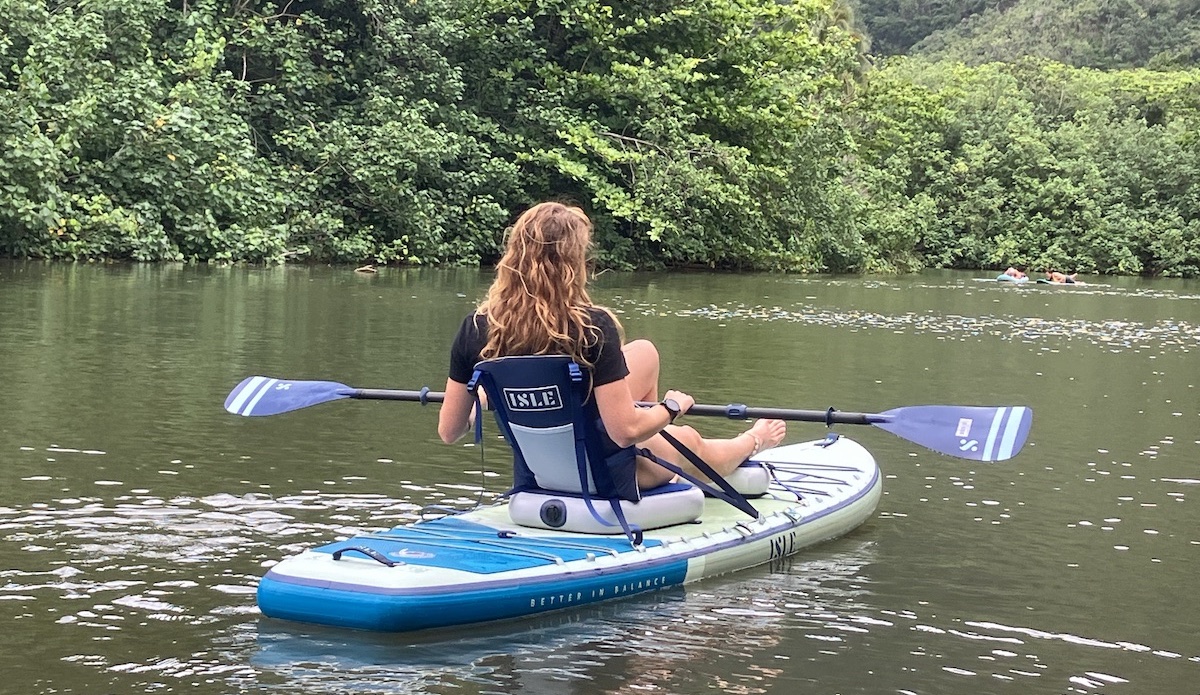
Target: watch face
[[672, 406]]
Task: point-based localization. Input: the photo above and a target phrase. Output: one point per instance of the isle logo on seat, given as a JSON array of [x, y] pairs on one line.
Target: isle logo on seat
[[531, 399]]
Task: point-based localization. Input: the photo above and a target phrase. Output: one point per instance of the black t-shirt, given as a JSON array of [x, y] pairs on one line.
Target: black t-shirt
[[608, 362]]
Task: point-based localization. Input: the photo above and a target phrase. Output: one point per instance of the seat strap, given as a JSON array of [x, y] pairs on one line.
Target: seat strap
[[726, 492], [599, 468], [472, 388]]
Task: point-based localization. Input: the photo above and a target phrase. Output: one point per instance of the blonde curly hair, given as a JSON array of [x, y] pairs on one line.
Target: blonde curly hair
[[538, 304]]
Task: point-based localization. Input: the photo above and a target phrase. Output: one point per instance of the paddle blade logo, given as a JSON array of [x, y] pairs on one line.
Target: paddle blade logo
[[963, 431], [534, 399], [1007, 431]]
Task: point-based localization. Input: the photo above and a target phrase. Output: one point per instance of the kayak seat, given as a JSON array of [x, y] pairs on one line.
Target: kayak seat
[[567, 473], [665, 505]]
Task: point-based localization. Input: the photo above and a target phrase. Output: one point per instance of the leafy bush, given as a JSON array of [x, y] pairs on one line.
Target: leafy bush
[[1033, 164]]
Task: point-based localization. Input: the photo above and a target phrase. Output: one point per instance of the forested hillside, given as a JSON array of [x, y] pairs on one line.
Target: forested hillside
[[997, 141], [1083, 33], [895, 26]]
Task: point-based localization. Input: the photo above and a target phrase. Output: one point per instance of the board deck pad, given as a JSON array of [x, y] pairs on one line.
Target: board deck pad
[[453, 543]]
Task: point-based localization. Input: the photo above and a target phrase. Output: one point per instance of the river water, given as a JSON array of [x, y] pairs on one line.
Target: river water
[[136, 515]]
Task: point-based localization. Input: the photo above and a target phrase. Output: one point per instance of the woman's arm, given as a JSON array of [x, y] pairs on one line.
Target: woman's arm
[[454, 417], [627, 424]]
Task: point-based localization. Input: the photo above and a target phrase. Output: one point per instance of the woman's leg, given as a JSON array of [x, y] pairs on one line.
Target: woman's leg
[[724, 455], [642, 359]]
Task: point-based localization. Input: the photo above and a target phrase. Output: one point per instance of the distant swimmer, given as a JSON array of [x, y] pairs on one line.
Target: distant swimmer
[[1014, 273], [1060, 278]]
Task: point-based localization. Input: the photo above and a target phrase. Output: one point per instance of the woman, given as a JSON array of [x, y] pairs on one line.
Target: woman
[[539, 305]]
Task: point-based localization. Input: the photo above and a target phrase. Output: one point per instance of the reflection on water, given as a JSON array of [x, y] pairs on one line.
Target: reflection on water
[[137, 516]]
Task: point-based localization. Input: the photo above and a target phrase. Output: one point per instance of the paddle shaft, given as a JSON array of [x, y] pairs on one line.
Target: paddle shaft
[[829, 417], [734, 411], [422, 396]]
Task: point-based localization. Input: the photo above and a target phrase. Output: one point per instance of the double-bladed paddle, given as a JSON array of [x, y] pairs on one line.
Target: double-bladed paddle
[[978, 433]]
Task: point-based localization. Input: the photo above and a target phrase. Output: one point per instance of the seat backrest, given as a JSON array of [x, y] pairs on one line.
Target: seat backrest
[[542, 406]]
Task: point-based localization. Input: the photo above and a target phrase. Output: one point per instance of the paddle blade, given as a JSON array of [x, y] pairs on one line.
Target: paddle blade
[[262, 395], [971, 432]]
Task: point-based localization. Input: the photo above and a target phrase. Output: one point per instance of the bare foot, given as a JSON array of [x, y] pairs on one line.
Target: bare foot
[[769, 433]]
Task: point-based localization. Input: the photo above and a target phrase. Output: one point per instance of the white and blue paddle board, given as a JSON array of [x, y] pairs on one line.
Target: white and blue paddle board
[[479, 566]]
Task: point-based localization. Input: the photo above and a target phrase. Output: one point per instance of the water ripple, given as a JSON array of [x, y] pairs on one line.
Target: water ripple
[[1164, 335]]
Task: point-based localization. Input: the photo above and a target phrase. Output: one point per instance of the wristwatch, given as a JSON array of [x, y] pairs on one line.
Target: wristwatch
[[672, 407]]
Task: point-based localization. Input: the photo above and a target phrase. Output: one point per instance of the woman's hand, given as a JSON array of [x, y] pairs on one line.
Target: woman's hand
[[684, 400]]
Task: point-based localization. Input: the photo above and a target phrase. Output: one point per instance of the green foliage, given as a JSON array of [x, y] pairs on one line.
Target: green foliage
[[696, 134], [411, 132], [1035, 164], [121, 144], [722, 133]]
